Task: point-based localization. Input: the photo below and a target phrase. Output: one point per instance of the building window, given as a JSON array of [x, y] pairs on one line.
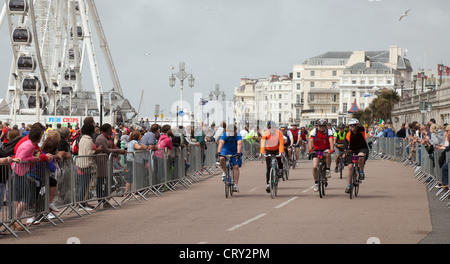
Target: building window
[[333, 109], [280, 105], [279, 118], [334, 73], [334, 98], [363, 106], [280, 96], [345, 107], [353, 94], [312, 84], [298, 98], [299, 75], [313, 73], [311, 97], [298, 87], [353, 81]]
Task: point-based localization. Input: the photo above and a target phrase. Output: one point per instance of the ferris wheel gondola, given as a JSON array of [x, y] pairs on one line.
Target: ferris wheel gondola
[[26, 63], [31, 84], [22, 36], [18, 7]]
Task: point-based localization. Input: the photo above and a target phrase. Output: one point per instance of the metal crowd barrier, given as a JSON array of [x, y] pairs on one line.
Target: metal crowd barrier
[[425, 162], [85, 183]]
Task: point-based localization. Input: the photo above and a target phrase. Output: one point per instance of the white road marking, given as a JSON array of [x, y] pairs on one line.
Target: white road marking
[[285, 203], [246, 222], [309, 189]]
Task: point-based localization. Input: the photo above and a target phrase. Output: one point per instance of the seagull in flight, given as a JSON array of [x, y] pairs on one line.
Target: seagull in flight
[[404, 14]]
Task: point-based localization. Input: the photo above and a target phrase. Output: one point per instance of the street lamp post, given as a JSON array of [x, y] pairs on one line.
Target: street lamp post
[[181, 75], [422, 75], [217, 92], [415, 81], [441, 69]]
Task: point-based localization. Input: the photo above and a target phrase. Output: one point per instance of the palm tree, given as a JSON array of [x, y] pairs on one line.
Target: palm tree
[[364, 116], [383, 105]]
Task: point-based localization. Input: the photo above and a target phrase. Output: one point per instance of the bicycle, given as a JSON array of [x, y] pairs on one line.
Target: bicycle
[[341, 165], [273, 176], [321, 175], [303, 148], [354, 179], [294, 156], [229, 176], [287, 163]]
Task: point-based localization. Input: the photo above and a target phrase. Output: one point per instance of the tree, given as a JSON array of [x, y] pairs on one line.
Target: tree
[[364, 116], [383, 105]]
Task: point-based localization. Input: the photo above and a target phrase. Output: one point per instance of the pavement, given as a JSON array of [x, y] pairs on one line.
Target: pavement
[[392, 208]]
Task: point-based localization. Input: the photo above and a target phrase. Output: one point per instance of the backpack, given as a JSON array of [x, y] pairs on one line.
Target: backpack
[[176, 141], [7, 135], [74, 141]]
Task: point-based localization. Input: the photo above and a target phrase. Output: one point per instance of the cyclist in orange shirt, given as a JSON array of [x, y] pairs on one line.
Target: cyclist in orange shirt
[[272, 142]]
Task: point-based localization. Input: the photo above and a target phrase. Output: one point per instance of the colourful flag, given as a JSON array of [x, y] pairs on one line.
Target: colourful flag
[[381, 122]]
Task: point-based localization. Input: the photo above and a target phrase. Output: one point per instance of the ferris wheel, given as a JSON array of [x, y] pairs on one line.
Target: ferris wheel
[[50, 41]]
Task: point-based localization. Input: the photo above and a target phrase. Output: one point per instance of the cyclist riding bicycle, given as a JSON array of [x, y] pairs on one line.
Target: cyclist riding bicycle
[[355, 144], [302, 140], [288, 140], [339, 138], [231, 144], [295, 132], [321, 139], [272, 142]]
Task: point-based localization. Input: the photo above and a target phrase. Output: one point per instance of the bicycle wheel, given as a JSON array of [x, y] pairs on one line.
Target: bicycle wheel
[[231, 182], [272, 177], [227, 179], [341, 166], [356, 183], [320, 180], [294, 161], [287, 173], [352, 182]]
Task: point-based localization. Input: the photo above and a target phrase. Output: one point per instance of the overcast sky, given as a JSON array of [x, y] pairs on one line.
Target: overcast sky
[[222, 41]]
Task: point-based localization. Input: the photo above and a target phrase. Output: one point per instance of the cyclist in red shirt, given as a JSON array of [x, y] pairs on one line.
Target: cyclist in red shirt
[[321, 139], [295, 132]]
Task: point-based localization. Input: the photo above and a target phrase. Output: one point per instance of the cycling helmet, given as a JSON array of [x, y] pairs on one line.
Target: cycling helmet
[[341, 126], [321, 122], [353, 121]]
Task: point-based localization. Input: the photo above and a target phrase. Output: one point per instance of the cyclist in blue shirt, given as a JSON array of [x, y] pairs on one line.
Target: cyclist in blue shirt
[[231, 144]]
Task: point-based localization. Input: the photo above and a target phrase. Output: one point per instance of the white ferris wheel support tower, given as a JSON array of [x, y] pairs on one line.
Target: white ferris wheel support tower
[[50, 39]]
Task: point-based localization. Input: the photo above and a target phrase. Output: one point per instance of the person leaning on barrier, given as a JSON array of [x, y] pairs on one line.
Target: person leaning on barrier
[[84, 164], [64, 146], [133, 145], [26, 152], [51, 145], [104, 141], [444, 183]]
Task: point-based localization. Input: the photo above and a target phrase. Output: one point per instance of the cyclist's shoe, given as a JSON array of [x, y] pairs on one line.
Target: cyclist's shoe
[[235, 188], [336, 170], [316, 187], [328, 173], [268, 188], [347, 190], [361, 175], [223, 176]]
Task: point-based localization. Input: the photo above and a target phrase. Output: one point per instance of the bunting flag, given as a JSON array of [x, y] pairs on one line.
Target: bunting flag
[[203, 101]]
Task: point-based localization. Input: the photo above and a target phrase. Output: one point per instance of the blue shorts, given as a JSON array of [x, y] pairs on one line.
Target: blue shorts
[[234, 161]]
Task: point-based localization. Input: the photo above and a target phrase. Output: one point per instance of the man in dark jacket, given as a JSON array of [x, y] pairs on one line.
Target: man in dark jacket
[[402, 132]]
